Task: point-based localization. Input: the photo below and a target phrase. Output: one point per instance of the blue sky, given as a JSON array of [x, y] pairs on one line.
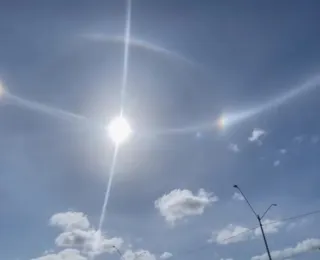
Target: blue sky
[[189, 63]]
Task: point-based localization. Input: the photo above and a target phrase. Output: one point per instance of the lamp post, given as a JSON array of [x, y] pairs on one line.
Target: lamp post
[[258, 218]]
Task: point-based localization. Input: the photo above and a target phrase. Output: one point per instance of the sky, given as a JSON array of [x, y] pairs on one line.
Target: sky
[[218, 93]]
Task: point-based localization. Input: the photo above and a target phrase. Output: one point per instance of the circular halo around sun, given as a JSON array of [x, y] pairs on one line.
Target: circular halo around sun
[[119, 130]]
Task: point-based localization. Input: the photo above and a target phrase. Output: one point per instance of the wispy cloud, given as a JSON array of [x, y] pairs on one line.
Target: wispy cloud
[[236, 233], [237, 196], [299, 139], [179, 204], [257, 135], [276, 163], [283, 151], [234, 148], [305, 246], [231, 234], [166, 255]]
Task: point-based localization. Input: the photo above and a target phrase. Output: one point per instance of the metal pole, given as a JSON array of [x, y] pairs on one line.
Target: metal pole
[[264, 237], [258, 217]]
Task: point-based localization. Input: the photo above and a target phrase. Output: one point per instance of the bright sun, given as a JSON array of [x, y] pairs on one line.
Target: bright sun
[[119, 130]]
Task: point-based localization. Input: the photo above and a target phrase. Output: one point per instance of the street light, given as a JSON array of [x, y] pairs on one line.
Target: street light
[[259, 218]]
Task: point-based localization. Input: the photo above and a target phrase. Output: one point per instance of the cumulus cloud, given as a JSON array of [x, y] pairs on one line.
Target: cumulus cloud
[[234, 148], [67, 254], [78, 233], [269, 227], [179, 204], [70, 220], [276, 163], [91, 241], [166, 255], [226, 258], [237, 196], [236, 233], [231, 234], [256, 135], [139, 254], [305, 246]]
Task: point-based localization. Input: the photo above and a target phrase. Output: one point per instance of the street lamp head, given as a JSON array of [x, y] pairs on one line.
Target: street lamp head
[[274, 204], [235, 186]]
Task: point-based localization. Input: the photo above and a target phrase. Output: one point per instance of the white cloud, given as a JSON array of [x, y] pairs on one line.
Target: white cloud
[[78, 233], [234, 234], [67, 254], [70, 220], [226, 258], [139, 254], [297, 224], [234, 148], [166, 255], [276, 163], [283, 151], [305, 246], [269, 227], [231, 234], [256, 135], [91, 241], [299, 139], [237, 196], [179, 204]]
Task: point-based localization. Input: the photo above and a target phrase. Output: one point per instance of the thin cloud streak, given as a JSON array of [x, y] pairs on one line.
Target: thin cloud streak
[[141, 44]]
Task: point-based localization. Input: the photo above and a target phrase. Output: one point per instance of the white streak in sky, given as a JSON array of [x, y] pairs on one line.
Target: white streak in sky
[[234, 118], [123, 89], [107, 194], [142, 44], [126, 54], [230, 119], [35, 106]]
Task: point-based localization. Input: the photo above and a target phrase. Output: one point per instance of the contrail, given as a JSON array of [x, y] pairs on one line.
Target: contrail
[[107, 194], [143, 44], [123, 92], [126, 54], [35, 106]]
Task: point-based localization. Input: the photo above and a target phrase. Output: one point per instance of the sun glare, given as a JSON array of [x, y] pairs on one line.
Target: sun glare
[[119, 130]]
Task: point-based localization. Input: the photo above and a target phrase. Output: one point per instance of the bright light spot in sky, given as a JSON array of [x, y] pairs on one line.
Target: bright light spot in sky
[[2, 90], [221, 122], [119, 130]]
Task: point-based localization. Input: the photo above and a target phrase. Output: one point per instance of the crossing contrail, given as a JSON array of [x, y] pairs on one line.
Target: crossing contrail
[[123, 92]]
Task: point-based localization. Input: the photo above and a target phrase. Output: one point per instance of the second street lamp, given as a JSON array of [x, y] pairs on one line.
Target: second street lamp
[[258, 218]]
